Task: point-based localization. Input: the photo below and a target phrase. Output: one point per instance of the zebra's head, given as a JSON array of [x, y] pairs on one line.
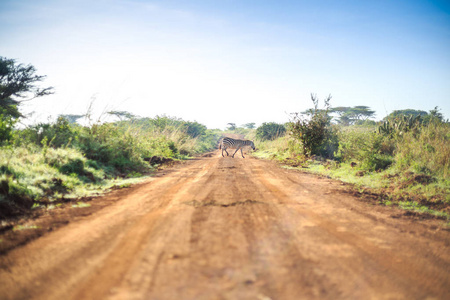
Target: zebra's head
[[252, 145]]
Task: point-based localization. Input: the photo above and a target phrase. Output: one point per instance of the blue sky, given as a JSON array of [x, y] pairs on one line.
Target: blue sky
[[231, 61]]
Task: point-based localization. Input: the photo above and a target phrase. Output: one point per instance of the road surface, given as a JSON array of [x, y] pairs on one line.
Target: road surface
[[224, 228]]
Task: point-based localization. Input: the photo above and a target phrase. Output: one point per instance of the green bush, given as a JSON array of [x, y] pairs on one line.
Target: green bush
[[363, 145], [313, 129], [194, 129], [426, 152], [398, 126], [6, 127], [330, 143], [45, 162], [58, 134], [270, 131]]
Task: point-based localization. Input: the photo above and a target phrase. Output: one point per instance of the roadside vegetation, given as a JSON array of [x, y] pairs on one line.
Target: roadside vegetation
[[49, 163], [46, 164], [404, 159]]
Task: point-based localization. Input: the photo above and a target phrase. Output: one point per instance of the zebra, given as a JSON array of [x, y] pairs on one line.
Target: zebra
[[228, 142]]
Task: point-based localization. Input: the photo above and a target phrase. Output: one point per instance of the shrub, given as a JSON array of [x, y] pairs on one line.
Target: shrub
[[400, 125], [270, 131], [6, 127], [59, 134], [314, 130], [194, 129], [426, 152], [371, 150]]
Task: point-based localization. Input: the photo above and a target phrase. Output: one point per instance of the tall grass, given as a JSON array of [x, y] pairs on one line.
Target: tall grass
[[427, 151], [49, 162], [364, 146], [412, 166]]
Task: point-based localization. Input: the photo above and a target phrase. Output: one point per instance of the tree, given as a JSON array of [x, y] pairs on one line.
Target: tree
[[396, 114], [249, 125], [194, 129], [122, 114], [270, 131], [350, 115], [434, 116], [231, 126], [18, 83], [72, 119], [419, 116], [362, 112]]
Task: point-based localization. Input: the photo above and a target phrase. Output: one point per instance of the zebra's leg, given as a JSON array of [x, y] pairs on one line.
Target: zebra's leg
[[242, 154], [225, 151], [236, 151]]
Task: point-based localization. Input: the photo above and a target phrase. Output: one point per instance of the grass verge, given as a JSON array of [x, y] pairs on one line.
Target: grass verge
[[393, 186]]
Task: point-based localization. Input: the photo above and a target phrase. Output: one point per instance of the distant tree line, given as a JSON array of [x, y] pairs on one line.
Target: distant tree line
[[358, 115]]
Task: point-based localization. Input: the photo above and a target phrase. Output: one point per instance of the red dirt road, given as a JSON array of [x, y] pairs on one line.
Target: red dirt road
[[223, 228]]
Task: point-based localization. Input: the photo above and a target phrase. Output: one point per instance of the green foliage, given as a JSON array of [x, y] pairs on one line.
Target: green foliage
[[405, 112], [426, 152], [32, 175], [72, 119], [314, 130], [194, 129], [366, 123], [407, 162], [59, 134], [17, 81], [330, 143], [270, 131], [435, 116], [249, 125], [401, 121], [122, 115], [352, 115], [6, 127], [46, 162], [372, 151], [400, 125], [231, 126]]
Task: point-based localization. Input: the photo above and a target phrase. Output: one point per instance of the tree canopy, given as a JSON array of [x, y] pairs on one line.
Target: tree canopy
[[406, 112], [72, 119], [18, 83], [423, 116], [231, 126], [350, 115], [122, 114], [249, 125]]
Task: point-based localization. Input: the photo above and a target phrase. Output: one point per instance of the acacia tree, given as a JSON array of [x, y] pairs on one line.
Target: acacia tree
[[18, 83], [249, 125], [350, 115], [231, 126], [122, 114]]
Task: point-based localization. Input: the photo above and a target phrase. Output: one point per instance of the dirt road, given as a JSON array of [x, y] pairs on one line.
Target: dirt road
[[223, 228]]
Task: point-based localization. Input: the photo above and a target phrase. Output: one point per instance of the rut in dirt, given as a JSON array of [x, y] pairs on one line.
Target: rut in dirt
[[224, 228]]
